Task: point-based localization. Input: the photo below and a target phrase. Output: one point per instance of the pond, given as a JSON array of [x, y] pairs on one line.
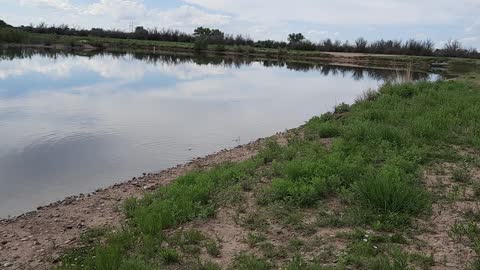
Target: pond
[[70, 124]]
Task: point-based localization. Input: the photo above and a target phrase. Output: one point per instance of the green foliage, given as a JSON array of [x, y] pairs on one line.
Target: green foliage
[[213, 248], [200, 44], [3, 24], [189, 197], [296, 37], [342, 108], [169, 255], [378, 150], [298, 263], [8, 35], [391, 195], [245, 261], [220, 48], [254, 238]]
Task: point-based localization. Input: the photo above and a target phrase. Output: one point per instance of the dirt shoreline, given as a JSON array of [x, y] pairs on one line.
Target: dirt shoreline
[[36, 240]]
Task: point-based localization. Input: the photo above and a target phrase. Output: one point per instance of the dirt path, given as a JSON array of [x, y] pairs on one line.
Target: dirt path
[[35, 240]]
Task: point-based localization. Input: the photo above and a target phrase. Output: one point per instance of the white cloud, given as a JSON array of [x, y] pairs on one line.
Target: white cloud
[[186, 16], [118, 9], [344, 12], [471, 42], [474, 28], [51, 4]]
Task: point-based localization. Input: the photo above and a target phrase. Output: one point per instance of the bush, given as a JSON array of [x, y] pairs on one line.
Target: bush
[[342, 108], [220, 48], [200, 44], [8, 35], [390, 195], [321, 129], [169, 255]]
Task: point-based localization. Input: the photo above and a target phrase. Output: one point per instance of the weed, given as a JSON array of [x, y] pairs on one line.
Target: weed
[[169, 255], [255, 221], [213, 248], [209, 266], [342, 108], [296, 244], [272, 252], [369, 95], [245, 261], [392, 197], [255, 238], [461, 174]]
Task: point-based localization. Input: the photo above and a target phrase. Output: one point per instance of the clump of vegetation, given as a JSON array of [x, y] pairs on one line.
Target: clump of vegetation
[[200, 44], [461, 174], [9, 35], [342, 108], [246, 261]]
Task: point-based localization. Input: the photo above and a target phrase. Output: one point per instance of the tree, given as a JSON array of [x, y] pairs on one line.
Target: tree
[[141, 32], [3, 24], [452, 48], [296, 38], [361, 44], [207, 32]]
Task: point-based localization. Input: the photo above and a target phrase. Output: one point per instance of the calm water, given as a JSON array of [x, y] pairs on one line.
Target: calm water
[[70, 124]]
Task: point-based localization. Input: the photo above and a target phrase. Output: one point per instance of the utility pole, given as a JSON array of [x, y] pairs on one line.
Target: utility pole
[[131, 25]]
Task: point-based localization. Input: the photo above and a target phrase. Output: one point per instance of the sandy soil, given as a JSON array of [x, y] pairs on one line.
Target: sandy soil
[[35, 240]]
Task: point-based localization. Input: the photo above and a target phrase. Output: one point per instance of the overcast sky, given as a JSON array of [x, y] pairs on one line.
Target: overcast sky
[[438, 20]]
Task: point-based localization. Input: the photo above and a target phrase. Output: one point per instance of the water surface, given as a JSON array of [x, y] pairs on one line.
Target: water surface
[[70, 123]]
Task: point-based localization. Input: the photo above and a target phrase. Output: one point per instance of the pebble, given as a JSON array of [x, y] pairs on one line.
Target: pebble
[[56, 258], [7, 264]]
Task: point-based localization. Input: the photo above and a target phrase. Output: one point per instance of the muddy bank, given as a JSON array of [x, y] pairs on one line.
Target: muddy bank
[[36, 240]]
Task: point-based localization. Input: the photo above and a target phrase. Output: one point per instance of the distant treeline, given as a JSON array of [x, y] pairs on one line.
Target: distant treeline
[[202, 37]]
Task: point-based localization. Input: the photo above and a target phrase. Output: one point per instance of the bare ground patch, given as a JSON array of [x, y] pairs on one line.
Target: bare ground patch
[[452, 185]]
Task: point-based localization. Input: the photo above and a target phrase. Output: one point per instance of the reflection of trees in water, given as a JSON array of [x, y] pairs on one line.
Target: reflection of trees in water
[[357, 73], [11, 54]]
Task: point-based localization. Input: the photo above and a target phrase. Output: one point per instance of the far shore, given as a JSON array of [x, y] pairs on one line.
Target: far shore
[[375, 61]]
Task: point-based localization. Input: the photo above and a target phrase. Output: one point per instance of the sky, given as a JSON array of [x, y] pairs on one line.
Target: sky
[[438, 20]]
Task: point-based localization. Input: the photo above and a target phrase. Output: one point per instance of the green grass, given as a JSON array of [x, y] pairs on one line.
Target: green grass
[[245, 261], [255, 238], [380, 146]]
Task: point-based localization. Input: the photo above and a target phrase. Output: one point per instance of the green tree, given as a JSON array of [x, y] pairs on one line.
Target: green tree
[[141, 32], [208, 33], [3, 24], [296, 38]]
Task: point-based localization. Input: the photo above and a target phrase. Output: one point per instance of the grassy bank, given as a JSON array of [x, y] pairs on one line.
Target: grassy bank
[[348, 190], [16, 37]]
